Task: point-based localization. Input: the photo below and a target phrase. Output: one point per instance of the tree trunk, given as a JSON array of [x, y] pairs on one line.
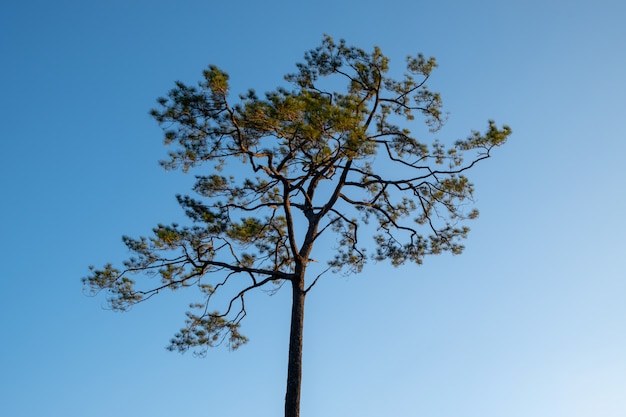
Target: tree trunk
[[294, 369]]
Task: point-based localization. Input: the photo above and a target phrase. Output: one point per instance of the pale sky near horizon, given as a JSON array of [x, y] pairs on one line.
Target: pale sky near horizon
[[529, 321]]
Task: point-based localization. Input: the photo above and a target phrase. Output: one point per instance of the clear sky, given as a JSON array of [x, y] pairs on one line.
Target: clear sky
[[529, 321]]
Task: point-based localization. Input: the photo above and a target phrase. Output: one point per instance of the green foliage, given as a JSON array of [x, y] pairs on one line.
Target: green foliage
[[300, 164]]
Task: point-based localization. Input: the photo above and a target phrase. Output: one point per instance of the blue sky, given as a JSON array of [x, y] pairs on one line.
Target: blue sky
[[529, 321]]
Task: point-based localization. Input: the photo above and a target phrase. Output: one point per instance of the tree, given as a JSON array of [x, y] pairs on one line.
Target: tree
[[300, 166]]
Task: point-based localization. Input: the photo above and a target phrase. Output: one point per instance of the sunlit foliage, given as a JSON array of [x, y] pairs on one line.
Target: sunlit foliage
[[329, 156]]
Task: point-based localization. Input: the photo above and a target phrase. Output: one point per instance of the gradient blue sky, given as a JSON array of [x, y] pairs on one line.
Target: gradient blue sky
[[529, 321]]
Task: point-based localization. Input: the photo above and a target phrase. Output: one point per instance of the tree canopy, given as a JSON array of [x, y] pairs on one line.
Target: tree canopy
[[329, 157]]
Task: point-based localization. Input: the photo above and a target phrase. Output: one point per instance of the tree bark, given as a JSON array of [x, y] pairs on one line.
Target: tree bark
[[294, 368]]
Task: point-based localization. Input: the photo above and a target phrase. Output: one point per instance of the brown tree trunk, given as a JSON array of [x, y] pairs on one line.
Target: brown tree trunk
[[294, 369]]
